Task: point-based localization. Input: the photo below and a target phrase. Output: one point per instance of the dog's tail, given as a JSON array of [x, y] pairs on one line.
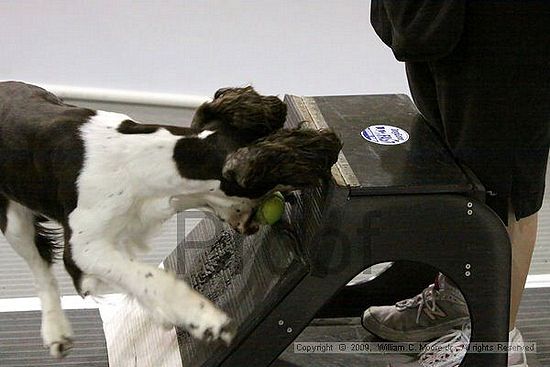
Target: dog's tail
[[293, 158]]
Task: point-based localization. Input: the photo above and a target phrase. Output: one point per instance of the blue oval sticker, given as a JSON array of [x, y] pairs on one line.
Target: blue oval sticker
[[385, 135]]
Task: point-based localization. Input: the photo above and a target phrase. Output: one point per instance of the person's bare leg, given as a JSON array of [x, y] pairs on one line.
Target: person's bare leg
[[523, 235]]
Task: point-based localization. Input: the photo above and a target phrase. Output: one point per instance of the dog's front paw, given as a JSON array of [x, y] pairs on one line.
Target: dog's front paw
[[211, 325], [60, 348], [57, 335], [174, 302]]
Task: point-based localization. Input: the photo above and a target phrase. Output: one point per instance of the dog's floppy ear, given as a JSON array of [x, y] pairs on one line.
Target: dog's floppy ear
[[294, 158], [242, 109]]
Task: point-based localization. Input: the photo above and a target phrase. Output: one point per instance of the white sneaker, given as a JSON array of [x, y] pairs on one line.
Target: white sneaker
[[430, 314], [516, 359], [448, 350]]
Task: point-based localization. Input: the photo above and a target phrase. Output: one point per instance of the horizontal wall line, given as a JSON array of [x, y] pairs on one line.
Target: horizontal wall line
[[67, 302], [538, 281], [110, 300], [125, 96]]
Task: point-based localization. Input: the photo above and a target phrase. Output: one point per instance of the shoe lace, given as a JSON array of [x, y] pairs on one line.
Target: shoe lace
[[447, 351], [427, 299]]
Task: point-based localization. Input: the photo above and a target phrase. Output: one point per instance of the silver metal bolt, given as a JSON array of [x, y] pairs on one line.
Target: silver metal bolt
[[470, 212], [289, 330], [468, 266], [467, 273], [470, 205], [281, 322]]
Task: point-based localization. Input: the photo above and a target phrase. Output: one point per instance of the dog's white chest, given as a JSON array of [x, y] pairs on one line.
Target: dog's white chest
[[143, 219]]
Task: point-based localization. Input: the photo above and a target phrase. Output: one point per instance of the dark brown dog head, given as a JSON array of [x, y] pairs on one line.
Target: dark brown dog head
[[247, 149], [241, 113], [284, 160], [259, 154]]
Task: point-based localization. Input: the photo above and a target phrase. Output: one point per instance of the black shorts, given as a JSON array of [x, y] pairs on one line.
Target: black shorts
[[488, 95]]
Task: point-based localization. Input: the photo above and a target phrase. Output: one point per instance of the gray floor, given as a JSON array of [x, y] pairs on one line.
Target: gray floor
[[144, 114], [534, 321], [21, 344], [15, 280]]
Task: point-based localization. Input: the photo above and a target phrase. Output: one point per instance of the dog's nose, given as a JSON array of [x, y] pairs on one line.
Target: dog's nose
[[252, 228], [247, 226]]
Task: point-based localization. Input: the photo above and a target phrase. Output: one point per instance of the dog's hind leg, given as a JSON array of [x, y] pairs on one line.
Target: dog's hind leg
[[73, 270], [19, 230]]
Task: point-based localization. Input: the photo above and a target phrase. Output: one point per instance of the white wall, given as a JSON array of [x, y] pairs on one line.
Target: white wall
[[307, 47]]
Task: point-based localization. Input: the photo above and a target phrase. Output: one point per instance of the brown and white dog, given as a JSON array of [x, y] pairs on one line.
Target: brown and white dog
[[110, 182]]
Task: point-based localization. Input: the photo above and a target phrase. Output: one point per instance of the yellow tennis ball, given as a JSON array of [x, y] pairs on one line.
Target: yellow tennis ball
[[271, 209]]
